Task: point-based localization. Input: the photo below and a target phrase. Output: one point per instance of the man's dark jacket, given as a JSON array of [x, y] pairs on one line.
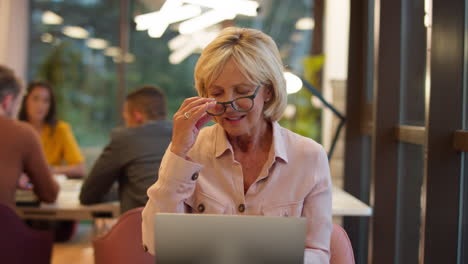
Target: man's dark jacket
[[132, 159]]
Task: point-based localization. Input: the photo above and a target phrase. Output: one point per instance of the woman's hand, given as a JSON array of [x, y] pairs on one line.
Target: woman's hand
[[23, 182], [188, 121]]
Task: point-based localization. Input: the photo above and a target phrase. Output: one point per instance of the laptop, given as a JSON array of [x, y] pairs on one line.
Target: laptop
[[228, 239]]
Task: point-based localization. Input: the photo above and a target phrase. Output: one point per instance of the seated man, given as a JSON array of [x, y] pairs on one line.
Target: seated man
[[134, 153], [20, 147]]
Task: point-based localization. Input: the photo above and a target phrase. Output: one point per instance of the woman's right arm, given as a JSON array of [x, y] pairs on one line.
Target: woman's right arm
[[176, 183], [177, 173], [36, 168]]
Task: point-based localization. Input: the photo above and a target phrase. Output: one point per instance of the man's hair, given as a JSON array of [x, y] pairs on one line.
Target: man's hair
[[9, 84], [149, 100]]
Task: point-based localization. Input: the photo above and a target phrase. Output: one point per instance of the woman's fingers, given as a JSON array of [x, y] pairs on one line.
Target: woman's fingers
[[188, 105], [200, 110], [23, 182], [188, 120], [188, 101], [203, 120]]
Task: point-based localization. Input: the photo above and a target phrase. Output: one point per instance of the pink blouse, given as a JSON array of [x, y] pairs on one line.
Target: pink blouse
[[295, 181]]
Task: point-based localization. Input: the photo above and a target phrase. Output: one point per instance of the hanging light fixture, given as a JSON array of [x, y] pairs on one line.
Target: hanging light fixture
[[51, 18], [293, 82]]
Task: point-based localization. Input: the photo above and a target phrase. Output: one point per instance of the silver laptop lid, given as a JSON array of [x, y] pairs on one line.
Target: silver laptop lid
[[226, 239]]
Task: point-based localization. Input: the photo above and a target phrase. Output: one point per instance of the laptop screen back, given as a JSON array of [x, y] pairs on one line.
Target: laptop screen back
[[222, 239]]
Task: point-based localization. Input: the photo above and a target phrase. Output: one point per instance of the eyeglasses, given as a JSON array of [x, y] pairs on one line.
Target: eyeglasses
[[241, 104]]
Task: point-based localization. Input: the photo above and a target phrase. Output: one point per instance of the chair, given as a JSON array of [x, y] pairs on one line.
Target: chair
[[19, 243], [122, 244], [341, 251]]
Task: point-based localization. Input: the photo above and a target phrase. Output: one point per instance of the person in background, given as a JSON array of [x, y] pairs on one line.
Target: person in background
[[62, 151], [20, 147], [134, 153], [245, 164]]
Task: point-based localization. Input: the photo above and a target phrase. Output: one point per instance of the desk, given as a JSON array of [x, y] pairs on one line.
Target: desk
[[68, 206], [344, 204]]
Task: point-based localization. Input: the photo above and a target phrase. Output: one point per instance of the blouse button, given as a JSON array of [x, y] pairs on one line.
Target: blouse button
[[241, 208], [201, 208], [195, 176]]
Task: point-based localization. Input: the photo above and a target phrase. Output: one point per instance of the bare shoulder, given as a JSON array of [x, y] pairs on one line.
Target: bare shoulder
[[17, 131], [27, 130], [22, 128]]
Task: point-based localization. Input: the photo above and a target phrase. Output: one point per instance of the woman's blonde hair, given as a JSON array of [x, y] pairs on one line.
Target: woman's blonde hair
[[258, 59]]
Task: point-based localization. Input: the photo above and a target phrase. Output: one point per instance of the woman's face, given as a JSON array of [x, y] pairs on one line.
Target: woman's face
[[38, 104], [230, 85]]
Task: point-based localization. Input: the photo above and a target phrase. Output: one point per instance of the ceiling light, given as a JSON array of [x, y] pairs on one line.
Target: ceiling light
[[168, 5], [178, 41], [305, 23], [47, 38], [205, 20], [158, 30], [184, 45], [112, 51], [293, 83], [129, 58], [205, 37], [97, 43], [241, 7], [75, 32], [158, 20], [179, 55], [166, 16], [51, 18]]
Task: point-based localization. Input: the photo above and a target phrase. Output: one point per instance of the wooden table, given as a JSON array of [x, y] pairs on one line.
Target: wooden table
[[344, 204], [68, 206]]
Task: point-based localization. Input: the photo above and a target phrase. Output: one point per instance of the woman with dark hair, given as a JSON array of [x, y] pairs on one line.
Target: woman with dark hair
[[62, 151]]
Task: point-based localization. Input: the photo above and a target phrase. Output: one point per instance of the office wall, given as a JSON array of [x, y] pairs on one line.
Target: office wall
[[14, 22]]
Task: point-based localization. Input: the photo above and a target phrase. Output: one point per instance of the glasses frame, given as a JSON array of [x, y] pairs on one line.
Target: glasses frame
[[251, 97]]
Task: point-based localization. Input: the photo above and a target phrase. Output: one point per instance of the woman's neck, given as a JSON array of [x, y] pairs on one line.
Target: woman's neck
[[260, 138], [38, 125]]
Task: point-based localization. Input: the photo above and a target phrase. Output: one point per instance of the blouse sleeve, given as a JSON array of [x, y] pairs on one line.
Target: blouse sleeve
[[176, 183], [318, 210], [71, 151]]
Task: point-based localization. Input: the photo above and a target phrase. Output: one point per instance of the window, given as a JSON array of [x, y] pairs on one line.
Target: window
[[75, 46]]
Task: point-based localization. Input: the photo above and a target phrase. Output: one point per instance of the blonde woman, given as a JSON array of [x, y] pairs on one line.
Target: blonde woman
[[245, 164]]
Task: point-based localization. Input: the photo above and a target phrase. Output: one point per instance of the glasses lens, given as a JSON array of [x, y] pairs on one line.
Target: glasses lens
[[243, 104], [218, 109]]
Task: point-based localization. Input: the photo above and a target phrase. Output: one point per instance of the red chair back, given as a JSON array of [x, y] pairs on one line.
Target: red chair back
[[19, 243], [341, 250], [123, 243]]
